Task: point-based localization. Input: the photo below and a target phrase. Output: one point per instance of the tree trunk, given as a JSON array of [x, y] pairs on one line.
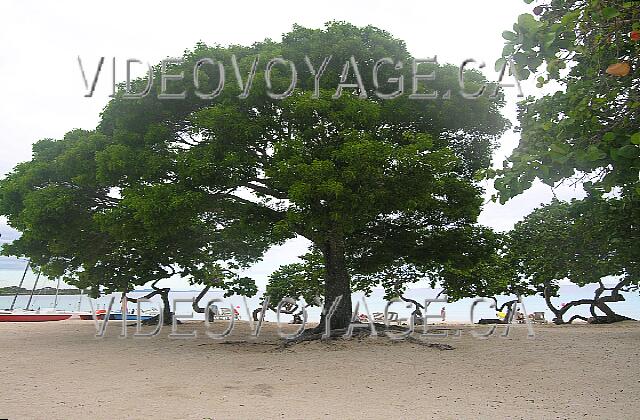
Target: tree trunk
[[337, 282], [167, 315], [598, 301], [547, 298], [610, 316], [166, 310]]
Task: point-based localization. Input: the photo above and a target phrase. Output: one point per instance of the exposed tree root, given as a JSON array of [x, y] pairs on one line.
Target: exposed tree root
[[607, 319], [438, 346], [316, 334], [153, 321]]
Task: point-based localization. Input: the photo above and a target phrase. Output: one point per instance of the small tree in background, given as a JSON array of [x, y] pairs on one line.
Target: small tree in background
[[586, 242]]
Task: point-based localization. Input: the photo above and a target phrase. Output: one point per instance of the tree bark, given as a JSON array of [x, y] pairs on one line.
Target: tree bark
[[196, 303], [598, 301], [164, 294], [337, 282], [167, 314], [287, 308]]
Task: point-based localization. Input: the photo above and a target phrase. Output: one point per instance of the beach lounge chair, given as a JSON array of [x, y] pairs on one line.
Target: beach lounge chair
[[392, 317], [225, 313], [213, 312], [363, 318], [538, 317]]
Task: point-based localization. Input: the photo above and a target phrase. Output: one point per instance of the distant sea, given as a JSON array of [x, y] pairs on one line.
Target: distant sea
[[455, 311]]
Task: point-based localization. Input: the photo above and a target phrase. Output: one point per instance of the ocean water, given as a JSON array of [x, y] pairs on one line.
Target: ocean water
[[458, 311]]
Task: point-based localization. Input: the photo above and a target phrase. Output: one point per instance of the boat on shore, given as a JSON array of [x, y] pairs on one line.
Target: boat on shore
[[88, 316], [32, 316], [129, 317], [28, 315], [54, 314], [117, 316]]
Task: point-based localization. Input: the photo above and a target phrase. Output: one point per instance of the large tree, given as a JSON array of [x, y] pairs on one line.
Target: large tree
[[371, 182]]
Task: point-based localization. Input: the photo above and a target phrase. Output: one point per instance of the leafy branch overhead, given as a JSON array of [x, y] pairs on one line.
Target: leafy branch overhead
[[589, 128]]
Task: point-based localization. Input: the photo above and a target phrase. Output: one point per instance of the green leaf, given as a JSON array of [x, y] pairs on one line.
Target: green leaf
[[608, 137], [500, 63], [571, 17], [629, 151], [594, 153], [534, 62], [545, 171], [509, 36], [508, 49], [523, 74], [610, 12], [635, 139], [614, 154], [549, 38], [528, 22]]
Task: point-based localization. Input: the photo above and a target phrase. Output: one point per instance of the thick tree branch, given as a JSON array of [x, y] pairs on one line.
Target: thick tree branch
[[196, 303], [262, 189]]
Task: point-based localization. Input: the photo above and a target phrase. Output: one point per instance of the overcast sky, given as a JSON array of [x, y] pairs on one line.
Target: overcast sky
[[42, 93]]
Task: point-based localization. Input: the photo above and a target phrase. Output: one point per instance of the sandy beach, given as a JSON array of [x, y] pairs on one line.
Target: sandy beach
[[60, 370]]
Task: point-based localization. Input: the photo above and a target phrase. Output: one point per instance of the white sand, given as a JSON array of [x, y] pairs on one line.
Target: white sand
[[60, 371]]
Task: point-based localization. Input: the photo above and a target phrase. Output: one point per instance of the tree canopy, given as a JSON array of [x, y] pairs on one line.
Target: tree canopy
[[76, 225]]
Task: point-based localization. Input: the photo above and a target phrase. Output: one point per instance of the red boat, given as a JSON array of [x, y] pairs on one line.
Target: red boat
[[32, 317], [100, 313]]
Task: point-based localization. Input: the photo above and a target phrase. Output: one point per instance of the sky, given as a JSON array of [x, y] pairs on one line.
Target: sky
[[42, 93]]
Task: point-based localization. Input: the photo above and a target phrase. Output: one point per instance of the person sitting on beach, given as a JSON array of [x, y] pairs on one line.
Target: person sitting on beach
[[519, 317], [297, 319]]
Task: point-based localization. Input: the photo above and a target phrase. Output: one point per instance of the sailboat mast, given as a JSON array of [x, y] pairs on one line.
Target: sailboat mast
[[80, 300], [33, 290], [55, 302], [13, 304]]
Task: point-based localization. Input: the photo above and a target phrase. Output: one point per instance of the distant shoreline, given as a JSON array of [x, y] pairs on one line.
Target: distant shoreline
[[10, 291]]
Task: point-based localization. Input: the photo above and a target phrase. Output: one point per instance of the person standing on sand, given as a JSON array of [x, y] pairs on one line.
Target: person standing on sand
[[443, 314]]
